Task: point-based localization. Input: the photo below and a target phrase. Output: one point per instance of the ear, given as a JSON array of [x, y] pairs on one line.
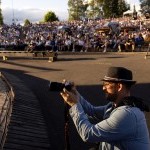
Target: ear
[[120, 87]]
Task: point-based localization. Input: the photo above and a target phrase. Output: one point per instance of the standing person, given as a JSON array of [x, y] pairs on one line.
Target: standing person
[[123, 126]]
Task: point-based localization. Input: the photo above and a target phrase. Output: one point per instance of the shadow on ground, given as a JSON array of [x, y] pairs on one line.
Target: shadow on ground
[[30, 66], [74, 59], [53, 107]]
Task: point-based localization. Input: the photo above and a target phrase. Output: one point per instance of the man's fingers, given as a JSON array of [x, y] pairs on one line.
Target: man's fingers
[[64, 93], [64, 81]]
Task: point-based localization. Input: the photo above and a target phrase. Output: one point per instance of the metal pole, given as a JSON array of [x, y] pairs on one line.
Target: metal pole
[[13, 18]]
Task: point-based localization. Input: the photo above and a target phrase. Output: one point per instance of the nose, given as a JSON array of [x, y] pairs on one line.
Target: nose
[[104, 88]]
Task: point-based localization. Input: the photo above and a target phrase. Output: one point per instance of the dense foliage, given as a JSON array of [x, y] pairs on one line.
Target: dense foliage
[[145, 8], [92, 9], [26, 22], [145, 5], [50, 17], [1, 17]]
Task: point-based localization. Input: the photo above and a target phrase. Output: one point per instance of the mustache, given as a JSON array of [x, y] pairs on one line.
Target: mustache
[[110, 96], [106, 93]]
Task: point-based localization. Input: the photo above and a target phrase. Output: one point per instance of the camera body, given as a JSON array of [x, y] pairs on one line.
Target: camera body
[[58, 87]]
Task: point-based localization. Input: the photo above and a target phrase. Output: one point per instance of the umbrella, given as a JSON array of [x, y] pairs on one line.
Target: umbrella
[[113, 24], [62, 27], [106, 24]]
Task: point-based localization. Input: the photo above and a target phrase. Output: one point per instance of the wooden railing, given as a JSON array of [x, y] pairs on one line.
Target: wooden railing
[[5, 110]]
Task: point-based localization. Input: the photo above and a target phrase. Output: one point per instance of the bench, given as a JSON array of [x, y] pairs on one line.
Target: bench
[[52, 56]]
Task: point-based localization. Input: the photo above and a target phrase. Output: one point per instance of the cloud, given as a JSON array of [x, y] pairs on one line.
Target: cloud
[[33, 15]]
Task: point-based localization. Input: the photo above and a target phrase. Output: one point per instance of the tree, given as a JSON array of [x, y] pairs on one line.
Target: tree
[[145, 3], [96, 8], [107, 8], [123, 6], [76, 9], [1, 17], [50, 17], [145, 8], [27, 22], [99, 7], [114, 8]]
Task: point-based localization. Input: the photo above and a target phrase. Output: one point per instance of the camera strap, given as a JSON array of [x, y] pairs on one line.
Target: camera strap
[[133, 101], [66, 126]]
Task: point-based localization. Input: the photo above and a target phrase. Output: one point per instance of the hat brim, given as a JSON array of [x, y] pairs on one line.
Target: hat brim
[[118, 80]]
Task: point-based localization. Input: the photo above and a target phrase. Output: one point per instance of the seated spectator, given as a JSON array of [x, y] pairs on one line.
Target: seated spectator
[[68, 44], [121, 45], [48, 44], [139, 41], [105, 46], [130, 43]]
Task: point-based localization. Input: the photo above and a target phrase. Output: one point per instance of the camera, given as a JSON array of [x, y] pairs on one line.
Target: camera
[[58, 87]]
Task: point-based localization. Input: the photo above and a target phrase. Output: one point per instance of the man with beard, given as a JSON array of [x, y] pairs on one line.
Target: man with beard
[[123, 126]]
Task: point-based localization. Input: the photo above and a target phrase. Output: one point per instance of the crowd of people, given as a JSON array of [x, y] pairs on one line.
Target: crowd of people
[[78, 36]]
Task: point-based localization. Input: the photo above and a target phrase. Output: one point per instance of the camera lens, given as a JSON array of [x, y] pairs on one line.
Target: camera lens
[[58, 87]]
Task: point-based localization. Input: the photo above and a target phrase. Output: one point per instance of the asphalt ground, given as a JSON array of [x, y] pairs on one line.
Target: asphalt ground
[[86, 71]]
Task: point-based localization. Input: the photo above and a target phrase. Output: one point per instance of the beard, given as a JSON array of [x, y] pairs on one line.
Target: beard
[[111, 96]]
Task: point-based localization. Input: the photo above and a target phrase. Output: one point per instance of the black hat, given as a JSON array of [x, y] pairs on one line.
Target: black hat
[[119, 74]]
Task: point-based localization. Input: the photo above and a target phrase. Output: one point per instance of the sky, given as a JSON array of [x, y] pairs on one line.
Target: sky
[[40, 4], [34, 10]]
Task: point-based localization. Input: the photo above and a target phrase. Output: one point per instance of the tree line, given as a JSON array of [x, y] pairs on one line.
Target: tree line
[[93, 9]]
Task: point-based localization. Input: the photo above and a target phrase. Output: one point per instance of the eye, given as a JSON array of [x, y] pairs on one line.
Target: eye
[[106, 84]]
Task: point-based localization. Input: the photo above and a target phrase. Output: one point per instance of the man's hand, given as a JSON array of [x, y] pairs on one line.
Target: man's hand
[[70, 97]]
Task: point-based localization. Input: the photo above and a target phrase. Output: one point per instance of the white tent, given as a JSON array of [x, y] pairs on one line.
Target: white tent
[[128, 12]]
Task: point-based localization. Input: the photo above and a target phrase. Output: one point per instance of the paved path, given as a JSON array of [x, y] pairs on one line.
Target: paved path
[[27, 128], [86, 71]]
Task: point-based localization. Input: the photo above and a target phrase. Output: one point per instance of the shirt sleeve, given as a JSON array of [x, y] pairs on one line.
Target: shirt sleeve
[[94, 112], [119, 126]]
